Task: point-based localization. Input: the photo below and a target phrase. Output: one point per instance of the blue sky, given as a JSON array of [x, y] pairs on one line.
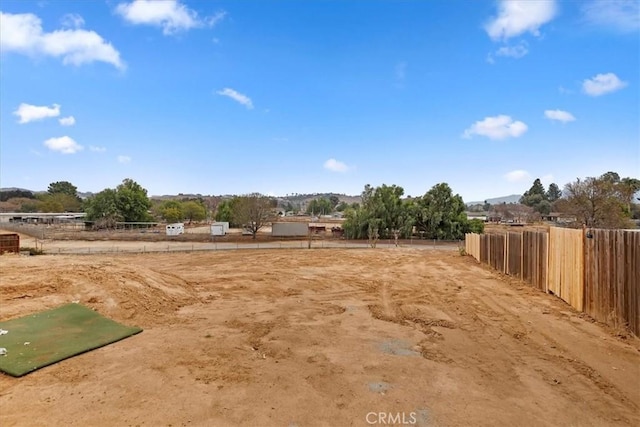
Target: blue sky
[[299, 96]]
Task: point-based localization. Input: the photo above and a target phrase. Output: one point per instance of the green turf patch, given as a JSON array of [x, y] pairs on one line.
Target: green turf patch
[[41, 339]]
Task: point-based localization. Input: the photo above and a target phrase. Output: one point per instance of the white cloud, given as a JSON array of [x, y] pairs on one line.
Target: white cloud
[[498, 127], [97, 149], [620, 15], [171, 15], [517, 176], [236, 96], [64, 144], [559, 115], [67, 121], [23, 33], [602, 84], [516, 17], [29, 113], [335, 166], [72, 20], [517, 51], [124, 159]]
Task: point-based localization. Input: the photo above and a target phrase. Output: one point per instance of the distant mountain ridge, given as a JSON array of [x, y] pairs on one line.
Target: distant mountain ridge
[[513, 198]]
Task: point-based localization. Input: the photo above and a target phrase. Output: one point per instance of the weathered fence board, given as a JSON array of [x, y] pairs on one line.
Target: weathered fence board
[[514, 254], [535, 255], [484, 248], [566, 265], [497, 251], [612, 277]]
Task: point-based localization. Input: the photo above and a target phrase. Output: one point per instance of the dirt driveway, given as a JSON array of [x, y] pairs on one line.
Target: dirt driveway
[[316, 337]]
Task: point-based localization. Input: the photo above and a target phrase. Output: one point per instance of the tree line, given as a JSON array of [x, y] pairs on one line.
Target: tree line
[[384, 213], [606, 201]]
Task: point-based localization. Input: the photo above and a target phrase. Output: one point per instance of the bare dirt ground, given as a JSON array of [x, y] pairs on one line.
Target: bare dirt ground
[[316, 337]]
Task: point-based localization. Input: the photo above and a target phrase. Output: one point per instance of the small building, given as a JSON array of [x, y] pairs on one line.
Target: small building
[[289, 229], [175, 229], [219, 228]]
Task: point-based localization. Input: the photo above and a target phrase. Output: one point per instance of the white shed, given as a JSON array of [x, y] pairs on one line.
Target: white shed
[[175, 229], [219, 228]]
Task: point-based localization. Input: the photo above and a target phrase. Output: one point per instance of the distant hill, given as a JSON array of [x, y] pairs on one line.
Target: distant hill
[[302, 198], [513, 198], [15, 189]]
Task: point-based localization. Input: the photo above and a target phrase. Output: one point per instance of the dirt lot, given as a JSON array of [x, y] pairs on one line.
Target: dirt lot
[[316, 337]]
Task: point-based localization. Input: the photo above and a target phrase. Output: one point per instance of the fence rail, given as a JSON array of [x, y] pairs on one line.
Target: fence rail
[[595, 271]]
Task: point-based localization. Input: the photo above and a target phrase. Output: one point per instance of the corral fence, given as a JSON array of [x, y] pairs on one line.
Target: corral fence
[[594, 271], [9, 242]]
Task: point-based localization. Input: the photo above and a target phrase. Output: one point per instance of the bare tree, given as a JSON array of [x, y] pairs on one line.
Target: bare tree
[[598, 202], [253, 212]]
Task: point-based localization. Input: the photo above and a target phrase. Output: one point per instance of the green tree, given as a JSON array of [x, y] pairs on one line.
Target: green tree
[[334, 200], [194, 211], [62, 195], [440, 214], [50, 204], [132, 201], [536, 198], [385, 204], [128, 202], [63, 187], [356, 224], [171, 211], [319, 206], [475, 226], [102, 208], [342, 206], [553, 193], [10, 194], [59, 202], [225, 210], [253, 211], [382, 213], [30, 206]]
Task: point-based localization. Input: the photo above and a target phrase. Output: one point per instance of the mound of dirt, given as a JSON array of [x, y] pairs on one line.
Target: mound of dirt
[[114, 287]]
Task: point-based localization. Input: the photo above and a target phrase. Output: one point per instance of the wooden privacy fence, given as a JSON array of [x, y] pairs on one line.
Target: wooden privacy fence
[[612, 277], [595, 271]]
